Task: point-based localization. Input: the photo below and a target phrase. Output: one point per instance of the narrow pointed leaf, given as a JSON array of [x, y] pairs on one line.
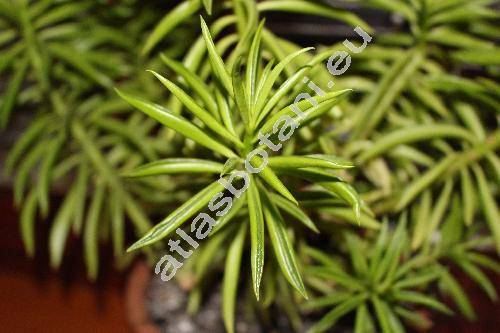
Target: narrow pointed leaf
[[307, 161], [175, 166], [414, 134], [28, 223], [421, 299], [231, 278], [294, 211], [282, 246], [177, 123], [197, 110], [256, 234], [194, 81], [10, 96], [90, 236], [174, 17], [490, 209], [252, 66], [421, 183], [178, 216], [273, 76], [339, 311], [215, 60], [268, 175]]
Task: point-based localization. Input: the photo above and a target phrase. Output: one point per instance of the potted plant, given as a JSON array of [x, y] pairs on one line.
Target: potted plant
[[302, 189]]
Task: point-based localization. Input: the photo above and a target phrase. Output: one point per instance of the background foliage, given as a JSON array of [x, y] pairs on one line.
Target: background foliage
[[377, 240]]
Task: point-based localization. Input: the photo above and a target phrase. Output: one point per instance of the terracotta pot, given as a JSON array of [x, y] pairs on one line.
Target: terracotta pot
[[135, 300]]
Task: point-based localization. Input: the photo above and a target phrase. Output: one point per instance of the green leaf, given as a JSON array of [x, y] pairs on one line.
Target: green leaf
[[208, 6], [273, 76], [454, 38], [27, 223], [252, 67], [215, 60], [363, 321], [24, 141], [336, 274], [358, 258], [333, 298], [59, 230], [26, 165], [424, 181], [475, 274], [389, 262], [439, 209], [91, 233], [339, 311], [194, 81], [12, 91], [380, 244], [294, 211], [490, 208], [211, 249], [256, 233], [422, 220], [224, 111], [484, 261], [283, 249], [230, 165], [418, 280], [411, 154], [389, 88], [271, 179], [306, 161], [471, 120], [177, 123], [325, 104], [60, 13], [456, 292], [281, 92], [484, 57], [38, 56], [415, 319], [320, 256], [236, 209], [414, 134], [311, 174], [382, 314], [394, 322], [127, 133], [73, 58], [94, 155], [174, 166], [196, 110], [350, 216], [45, 174], [419, 298], [231, 278], [176, 16], [241, 96], [178, 216], [347, 193], [468, 196], [80, 196], [117, 218]]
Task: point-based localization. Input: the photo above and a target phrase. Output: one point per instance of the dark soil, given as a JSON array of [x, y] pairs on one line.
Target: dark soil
[[167, 302]]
